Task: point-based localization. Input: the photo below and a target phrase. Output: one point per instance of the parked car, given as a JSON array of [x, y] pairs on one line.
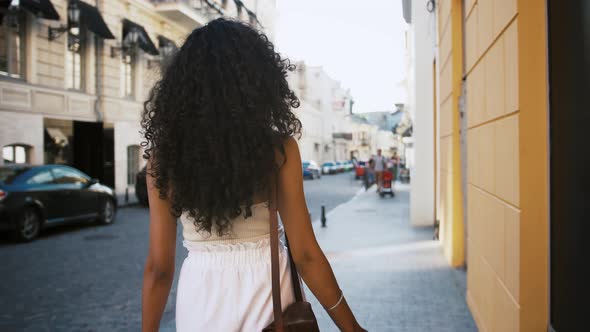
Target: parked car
[[311, 170], [141, 188], [346, 165], [339, 167], [35, 197], [329, 167], [349, 165], [360, 169]]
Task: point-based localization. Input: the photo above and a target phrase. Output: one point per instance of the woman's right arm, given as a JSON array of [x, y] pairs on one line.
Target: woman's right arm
[[307, 254], [159, 266]]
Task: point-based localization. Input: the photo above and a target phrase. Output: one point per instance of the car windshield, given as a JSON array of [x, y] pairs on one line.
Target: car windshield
[[9, 174], [328, 164], [306, 164]]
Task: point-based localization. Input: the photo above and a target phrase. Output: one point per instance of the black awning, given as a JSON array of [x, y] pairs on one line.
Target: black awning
[[163, 41], [41, 8], [144, 41], [91, 18], [3, 4]]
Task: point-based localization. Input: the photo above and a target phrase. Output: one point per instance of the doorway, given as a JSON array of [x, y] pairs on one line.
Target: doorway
[[87, 146], [569, 79]]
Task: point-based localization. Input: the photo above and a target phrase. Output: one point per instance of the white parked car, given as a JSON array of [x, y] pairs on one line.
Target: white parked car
[[329, 167]]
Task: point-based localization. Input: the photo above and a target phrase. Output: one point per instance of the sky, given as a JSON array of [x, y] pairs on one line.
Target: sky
[[359, 43]]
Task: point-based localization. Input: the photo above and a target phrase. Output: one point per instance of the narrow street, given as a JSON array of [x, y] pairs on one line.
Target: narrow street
[[88, 278]]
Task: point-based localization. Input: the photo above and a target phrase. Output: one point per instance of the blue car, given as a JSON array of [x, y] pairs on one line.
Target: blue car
[[311, 170]]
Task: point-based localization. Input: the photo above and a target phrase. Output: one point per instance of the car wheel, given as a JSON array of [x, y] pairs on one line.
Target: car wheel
[[107, 212], [28, 225]]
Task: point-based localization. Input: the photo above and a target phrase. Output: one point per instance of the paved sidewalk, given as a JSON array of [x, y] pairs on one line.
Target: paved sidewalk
[[393, 275]]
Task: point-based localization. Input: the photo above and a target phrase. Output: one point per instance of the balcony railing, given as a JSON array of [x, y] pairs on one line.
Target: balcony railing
[[189, 13], [196, 4]]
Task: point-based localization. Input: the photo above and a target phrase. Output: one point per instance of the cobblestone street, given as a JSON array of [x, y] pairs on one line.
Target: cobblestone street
[[88, 278]]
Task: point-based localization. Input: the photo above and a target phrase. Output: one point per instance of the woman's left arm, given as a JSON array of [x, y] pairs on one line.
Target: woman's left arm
[[159, 267]]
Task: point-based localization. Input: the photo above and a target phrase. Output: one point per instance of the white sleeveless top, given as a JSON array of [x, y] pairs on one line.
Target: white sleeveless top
[[251, 229]]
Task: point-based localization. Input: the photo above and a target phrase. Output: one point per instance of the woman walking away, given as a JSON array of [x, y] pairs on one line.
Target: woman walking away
[[219, 138]]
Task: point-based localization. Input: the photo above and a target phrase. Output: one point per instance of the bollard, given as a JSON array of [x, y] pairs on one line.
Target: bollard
[[323, 216], [126, 195]]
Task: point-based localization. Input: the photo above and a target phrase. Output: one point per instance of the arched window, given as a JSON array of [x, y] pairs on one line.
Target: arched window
[[132, 163], [16, 154]]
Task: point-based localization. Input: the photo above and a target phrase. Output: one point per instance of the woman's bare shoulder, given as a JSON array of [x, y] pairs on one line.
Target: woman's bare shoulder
[[290, 151]]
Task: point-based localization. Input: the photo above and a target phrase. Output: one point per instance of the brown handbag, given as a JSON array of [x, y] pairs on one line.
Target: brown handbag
[[298, 316]]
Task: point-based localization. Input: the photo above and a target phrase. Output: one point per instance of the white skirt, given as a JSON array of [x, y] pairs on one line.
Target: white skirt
[[227, 287]]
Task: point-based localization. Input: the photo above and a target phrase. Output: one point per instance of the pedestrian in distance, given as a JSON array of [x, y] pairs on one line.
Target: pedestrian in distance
[[395, 165], [369, 177], [222, 157], [380, 164]]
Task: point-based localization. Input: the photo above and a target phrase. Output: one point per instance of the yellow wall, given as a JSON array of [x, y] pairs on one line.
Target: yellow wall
[[505, 68], [450, 204]]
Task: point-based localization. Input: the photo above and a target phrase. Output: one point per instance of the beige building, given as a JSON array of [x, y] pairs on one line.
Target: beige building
[[325, 107], [74, 75], [364, 137]]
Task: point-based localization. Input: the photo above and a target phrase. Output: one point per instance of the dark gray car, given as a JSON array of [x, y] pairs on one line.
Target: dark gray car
[[35, 197]]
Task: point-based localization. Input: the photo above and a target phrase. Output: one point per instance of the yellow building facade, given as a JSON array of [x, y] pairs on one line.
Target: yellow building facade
[[493, 168]]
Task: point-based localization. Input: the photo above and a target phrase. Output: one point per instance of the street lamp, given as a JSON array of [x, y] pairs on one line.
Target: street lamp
[[74, 17], [166, 49], [73, 26], [12, 15], [129, 42], [131, 37]]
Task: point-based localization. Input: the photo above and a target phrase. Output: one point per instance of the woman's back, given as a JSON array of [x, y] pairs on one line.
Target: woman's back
[[243, 228]]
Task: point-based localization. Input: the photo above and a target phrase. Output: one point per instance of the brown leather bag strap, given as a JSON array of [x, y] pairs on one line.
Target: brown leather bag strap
[[274, 255], [294, 275]]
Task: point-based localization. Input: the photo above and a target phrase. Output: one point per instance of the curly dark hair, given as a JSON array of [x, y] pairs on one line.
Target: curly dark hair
[[215, 120]]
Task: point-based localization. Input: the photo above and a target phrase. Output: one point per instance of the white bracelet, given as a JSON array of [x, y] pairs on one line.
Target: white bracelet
[[337, 303]]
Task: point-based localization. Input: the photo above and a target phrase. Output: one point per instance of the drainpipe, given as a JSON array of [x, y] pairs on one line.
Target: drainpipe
[[98, 73]]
